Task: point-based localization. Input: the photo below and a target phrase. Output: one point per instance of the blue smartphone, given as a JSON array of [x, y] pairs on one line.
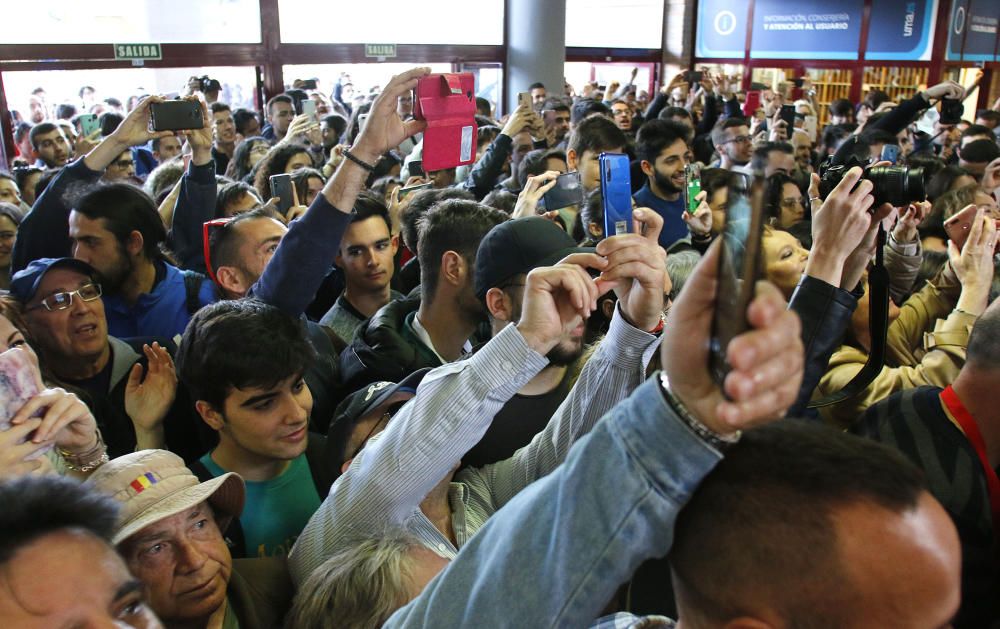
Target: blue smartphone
[[616, 193], [890, 153]]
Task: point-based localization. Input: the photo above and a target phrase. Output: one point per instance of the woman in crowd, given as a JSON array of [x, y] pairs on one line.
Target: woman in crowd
[[10, 218], [246, 156], [783, 201], [282, 158]]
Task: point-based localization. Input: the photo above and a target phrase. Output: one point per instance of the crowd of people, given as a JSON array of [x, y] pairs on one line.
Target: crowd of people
[[425, 399]]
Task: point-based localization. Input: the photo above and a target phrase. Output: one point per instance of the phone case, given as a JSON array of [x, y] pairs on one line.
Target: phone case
[[175, 115], [281, 187], [19, 382], [447, 102], [752, 103], [567, 191], [616, 193], [89, 124], [693, 179]]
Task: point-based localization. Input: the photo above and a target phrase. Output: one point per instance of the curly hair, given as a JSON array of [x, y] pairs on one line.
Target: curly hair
[[274, 163]]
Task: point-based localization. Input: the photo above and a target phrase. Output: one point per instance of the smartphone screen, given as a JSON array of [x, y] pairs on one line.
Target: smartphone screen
[[616, 193], [693, 178], [890, 153], [281, 187], [175, 115], [788, 115], [416, 168], [567, 191], [739, 268]]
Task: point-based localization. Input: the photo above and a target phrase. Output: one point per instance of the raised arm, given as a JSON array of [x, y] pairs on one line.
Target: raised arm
[[196, 198]]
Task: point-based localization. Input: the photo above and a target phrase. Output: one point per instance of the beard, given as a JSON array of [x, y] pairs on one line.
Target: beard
[[665, 183], [113, 277], [566, 352]]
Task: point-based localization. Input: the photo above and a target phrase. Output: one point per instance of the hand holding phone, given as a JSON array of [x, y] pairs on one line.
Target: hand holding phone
[[959, 226], [693, 179], [616, 193], [175, 115], [20, 381], [283, 190], [567, 192]]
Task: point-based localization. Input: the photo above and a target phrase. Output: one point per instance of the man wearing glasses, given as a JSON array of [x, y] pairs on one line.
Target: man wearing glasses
[[65, 316], [733, 143]]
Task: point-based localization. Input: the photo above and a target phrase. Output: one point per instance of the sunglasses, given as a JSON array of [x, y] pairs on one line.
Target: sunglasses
[[207, 229]]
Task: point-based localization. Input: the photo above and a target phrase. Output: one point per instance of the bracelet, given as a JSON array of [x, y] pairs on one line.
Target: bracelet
[[89, 460], [347, 153], [714, 439], [811, 199]]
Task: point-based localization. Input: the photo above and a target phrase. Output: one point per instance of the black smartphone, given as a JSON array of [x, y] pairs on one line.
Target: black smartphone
[[175, 115], [740, 266], [788, 115], [616, 193], [281, 187], [567, 191], [308, 84], [798, 83], [417, 168], [404, 192], [693, 76], [951, 111]]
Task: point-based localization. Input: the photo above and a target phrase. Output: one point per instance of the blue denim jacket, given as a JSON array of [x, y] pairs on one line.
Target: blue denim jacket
[[555, 554]]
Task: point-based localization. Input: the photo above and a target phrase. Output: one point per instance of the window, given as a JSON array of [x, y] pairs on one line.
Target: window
[[614, 23], [113, 22], [455, 22]]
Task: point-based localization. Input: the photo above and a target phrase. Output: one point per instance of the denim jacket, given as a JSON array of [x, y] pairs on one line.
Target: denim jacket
[[578, 533]]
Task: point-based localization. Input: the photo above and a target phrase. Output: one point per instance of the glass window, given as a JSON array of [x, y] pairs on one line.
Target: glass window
[[614, 23], [454, 22], [113, 22]]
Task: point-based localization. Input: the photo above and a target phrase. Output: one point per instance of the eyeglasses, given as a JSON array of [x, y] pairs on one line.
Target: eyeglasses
[[62, 301], [740, 139], [792, 202]]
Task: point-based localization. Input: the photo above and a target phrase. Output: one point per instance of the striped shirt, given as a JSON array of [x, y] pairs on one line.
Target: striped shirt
[[455, 403]]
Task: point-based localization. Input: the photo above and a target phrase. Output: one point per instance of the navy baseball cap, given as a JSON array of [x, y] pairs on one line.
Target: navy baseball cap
[[24, 284], [518, 246]]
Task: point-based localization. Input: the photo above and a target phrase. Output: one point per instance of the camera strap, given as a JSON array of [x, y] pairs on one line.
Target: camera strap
[[878, 327]]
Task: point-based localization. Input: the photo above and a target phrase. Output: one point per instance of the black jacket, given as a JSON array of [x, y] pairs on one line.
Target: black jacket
[[384, 348]]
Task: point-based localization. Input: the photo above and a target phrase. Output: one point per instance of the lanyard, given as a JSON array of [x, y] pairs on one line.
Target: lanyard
[[968, 425]]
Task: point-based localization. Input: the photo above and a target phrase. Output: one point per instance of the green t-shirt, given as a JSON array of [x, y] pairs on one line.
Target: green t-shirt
[[276, 510]]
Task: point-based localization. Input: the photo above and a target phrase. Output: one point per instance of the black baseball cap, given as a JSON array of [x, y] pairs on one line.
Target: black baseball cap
[[518, 246]]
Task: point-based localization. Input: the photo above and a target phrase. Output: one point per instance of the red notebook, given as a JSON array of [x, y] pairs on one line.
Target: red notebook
[[448, 103]]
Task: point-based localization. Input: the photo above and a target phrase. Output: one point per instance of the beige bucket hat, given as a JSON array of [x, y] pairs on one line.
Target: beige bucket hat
[[151, 485]]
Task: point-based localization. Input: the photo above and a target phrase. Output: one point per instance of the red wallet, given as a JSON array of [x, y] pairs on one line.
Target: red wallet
[[448, 103]]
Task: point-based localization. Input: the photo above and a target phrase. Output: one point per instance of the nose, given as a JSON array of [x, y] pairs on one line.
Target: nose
[[190, 558], [298, 406]]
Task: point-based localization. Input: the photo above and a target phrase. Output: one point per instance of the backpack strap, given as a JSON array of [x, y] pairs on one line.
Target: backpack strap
[[192, 290]]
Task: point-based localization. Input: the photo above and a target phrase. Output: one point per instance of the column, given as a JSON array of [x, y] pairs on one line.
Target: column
[[536, 47]]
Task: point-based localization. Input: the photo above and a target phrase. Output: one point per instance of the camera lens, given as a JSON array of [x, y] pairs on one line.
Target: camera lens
[[897, 185]]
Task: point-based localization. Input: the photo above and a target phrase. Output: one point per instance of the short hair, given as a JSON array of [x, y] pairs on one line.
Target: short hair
[[983, 348], [774, 192], [65, 111], [421, 202], [841, 107], [21, 130], [719, 130], [36, 506], [214, 357], [280, 98], [452, 225], [674, 112], [40, 129], [242, 118], [114, 102], [680, 266], [836, 133], [657, 135], [874, 98], [596, 134], [336, 122], [109, 121], [367, 205], [84, 89], [484, 105], [760, 154], [536, 85], [777, 491], [124, 209], [990, 115], [585, 107], [218, 106], [361, 585], [536, 163], [224, 241], [555, 104], [486, 134], [163, 177], [230, 194], [979, 151], [592, 211], [976, 129], [500, 199], [21, 176], [713, 179], [155, 144]]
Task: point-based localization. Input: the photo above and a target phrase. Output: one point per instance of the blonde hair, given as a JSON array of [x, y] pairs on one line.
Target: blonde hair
[[359, 587]]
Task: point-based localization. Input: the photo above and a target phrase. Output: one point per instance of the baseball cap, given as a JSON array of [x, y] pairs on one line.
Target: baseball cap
[[361, 403], [518, 246], [24, 284], [152, 485]]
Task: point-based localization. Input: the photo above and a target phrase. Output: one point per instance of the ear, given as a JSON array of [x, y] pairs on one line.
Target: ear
[[453, 268], [608, 307], [346, 464], [209, 415], [647, 168], [498, 304], [231, 280], [134, 243], [571, 159], [395, 245]]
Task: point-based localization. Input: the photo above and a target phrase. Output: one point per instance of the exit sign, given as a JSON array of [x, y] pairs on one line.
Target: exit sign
[[380, 51], [133, 52]]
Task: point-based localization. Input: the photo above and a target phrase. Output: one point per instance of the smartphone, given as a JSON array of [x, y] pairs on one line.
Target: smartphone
[[404, 192], [524, 98], [740, 266], [416, 168], [951, 111], [693, 76], [616, 193], [175, 115], [309, 108], [308, 84], [958, 226], [788, 115], [890, 153], [693, 178], [281, 187], [752, 103], [89, 125], [567, 191]]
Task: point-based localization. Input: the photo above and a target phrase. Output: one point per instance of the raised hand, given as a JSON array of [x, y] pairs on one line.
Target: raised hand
[[147, 400], [636, 269], [839, 225], [766, 361], [384, 129], [973, 265], [19, 455], [66, 420], [558, 299], [991, 176], [700, 223], [534, 189]]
